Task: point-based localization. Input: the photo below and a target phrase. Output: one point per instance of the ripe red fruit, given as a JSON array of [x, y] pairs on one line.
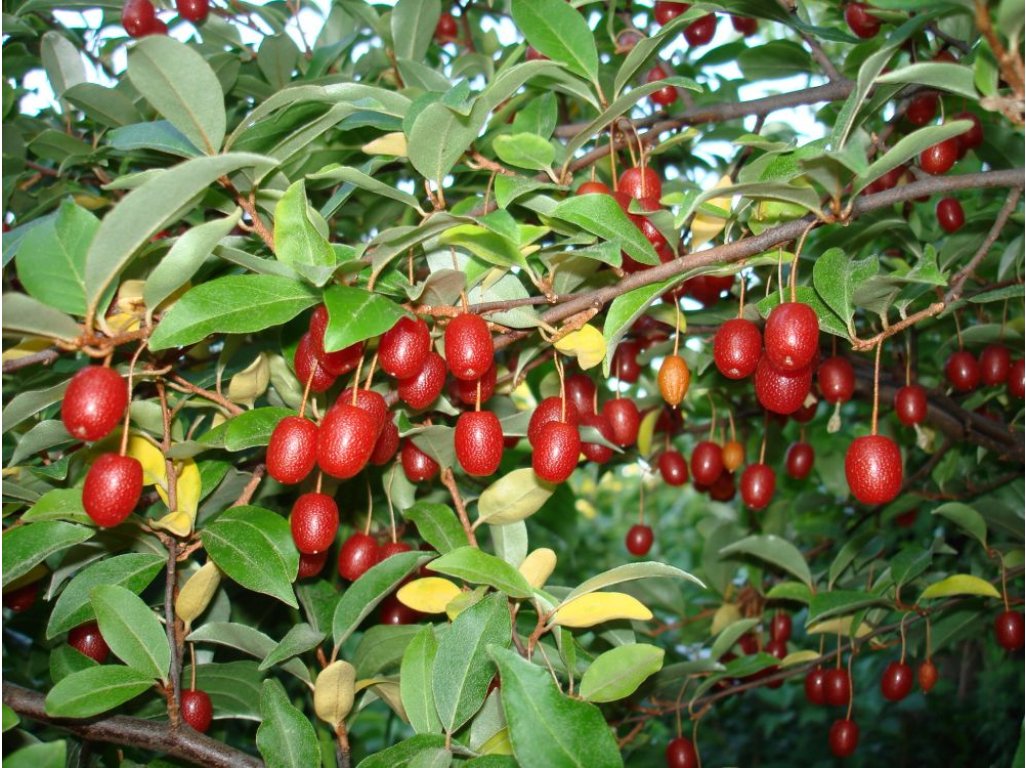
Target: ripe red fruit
[[791, 336], [112, 489], [1017, 379], [780, 627], [624, 420], [701, 30], [736, 348], [314, 522], [311, 565], [292, 450], [815, 687], [706, 462], [548, 410], [625, 361], [733, 455], [445, 29], [836, 380], [555, 452], [673, 467], [469, 349], [393, 612], [21, 599], [94, 402], [357, 555], [195, 11], [665, 12], [138, 17], [666, 95], [404, 348], [896, 682], [971, 138], [593, 188], [861, 21], [758, 482], [995, 362], [872, 466], [800, 459], [386, 445], [466, 391], [781, 391], [910, 404], [950, 215], [962, 371], [334, 363], [580, 392], [707, 289], [366, 400], [749, 643], [927, 674], [922, 109], [346, 440], [805, 413], [939, 158], [640, 183], [746, 25], [421, 390], [533, 55], [417, 465], [639, 540], [478, 441], [600, 454], [837, 687], [87, 640], [1010, 630], [393, 548], [723, 489], [844, 737], [680, 753], [308, 366], [197, 710]]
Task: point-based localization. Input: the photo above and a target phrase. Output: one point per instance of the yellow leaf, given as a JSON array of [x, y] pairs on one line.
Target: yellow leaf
[[513, 497], [538, 566], [838, 626], [124, 322], [597, 607], [152, 460], [464, 600], [960, 584], [91, 202], [586, 344], [188, 487], [725, 615], [130, 298], [798, 657], [388, 692], [389, 144], [704, 227], [428, 595], [197, 592], [247, 385], [26, 348], [647, 431], [497, 744], [334, 690]]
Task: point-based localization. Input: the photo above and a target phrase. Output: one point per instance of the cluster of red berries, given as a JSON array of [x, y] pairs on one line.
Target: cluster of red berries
[[139, 17], [993, 368], [702, 29]]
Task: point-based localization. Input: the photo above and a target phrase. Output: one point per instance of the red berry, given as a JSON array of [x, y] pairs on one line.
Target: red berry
[[393, 548], [1017, 379], [311, 565], [666, 95], [357, 555], [673, 467], [366, 400], [680, 753], [665, 12], [548, 410], [1010, 630], [346, 440], [701, 30], [749, 644], [945, 57], [625, 361], [639, 540], [467, 391], [593, 188], [158, 28], [469, 349], [404, 348], [624, 420], [292, 450], [736, 348], [417, 465], [972, 138], [836, 380], [596, 452], [800, 459], [950, 215], [758, 482], [962, 371], [395, 613], [922, 109], [896, 682], [87, 640], [308, 367], [927, 674], [445, 29], [197, 710], [939, 158], [837, 686], [872, 466], [777, 649], [423, 389], [556, 451], [478, 441], [995, 362], [314, 522], [844, 737], [781, 391], [706, 462], [386, 445], [580, 391], [815, 687], [195, 11], [22, 598], [640, 183], [780, 627], [723, 489], [94, 402], [334, 363], [533, 55], [861, 21], [791, 336], [707, 289], [910, 404], [112, 489], [138, 17], [805, 413], [746, 25]]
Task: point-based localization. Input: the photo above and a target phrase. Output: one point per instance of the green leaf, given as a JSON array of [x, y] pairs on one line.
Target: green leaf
[[525, 150], [413, 27], [25, 546], [252, 429], [297, 242], [546, 727], [514, 496], [601, 215], [62, 62], [131, 629], [966, 518], [23, 314], [625, 309], [356, 315], [248, 640], [231, 304], [477, 567], [960, 584], [132, 571], [299, 639], [837, 276], [911, 561], [10, 719], [838, 602], [462, 670], [286, 737], [868, 72], [954, 78], [254, 547], [617, 673], [729, 635], [381, 648], [640, 54], [361, 180], [58, 504], [775, 59], [51, 260], [630, 572], [95, 690], [558, 31], [233, 687], [438, 526], [909, 147], [107, 106], [364, 594], [415, 681], [159, 136], [400, 755], [775, 551], [182, 87]]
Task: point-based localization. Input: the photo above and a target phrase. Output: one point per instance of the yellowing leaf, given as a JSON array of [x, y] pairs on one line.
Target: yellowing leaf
[[464, 600], [704, 227], [538, 566], [960, 584], [513, 497], [130, 298], [725, 615], [597, 607], [334, 690], [497, 744], [838, 626], [389, 144], [428, 595], [188, 487], [25, 348], [798, 657], [647, 431], [247, 385], [123, 322], [586, 344], [197, 592], [152, 460]]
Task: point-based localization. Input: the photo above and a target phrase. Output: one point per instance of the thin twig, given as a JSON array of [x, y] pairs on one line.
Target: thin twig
[[449, 481]]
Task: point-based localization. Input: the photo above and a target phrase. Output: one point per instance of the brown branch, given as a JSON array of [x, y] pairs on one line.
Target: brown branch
[[251, 486], [43, 357], [449, 481], [184, 744], [182, 384], [1010, 63]]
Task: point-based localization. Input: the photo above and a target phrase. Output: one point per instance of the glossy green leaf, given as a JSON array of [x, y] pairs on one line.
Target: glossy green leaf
[[438, 526], [415, 681], [131, 629], [356, 315], [558, 31], [95, 690], [253, 428], [25, 546], [58, 504], [297, 242], [774, 59], [525, 150], [364, 594], [233, 687], [286, 737], [51, 260], [775, 551], [45, 754], [601, 215], [477, 567], [624, 310], [618, 673], [413, 27], [966, 518], [361, 180]]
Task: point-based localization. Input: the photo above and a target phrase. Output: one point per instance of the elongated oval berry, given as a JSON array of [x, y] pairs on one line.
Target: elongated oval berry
[[640, 182], [706, 462], [625, 361], [1017, 379], [556, 451], [478, 442], [593, 188], [467, 391], [733, 455], [624, 420], [311, 565], [357, 555], [87, 640], [737, 348], [1010, 630], [780, 627], [962, 371], [446, 29], [292, 450], [910, 404], [197, 710], [469, 348], [800, 459], [314, 522], [22, 598], [423, 389], [404, 348], [597, 452], [927, 676], [972, 138], [392, 612], [950, 215], [922, 109], [781, 391], [995, 362], [844, 737], [896, 682], [701, 30], [387, 444], [346, 440], [666, 95], [94, 402], [366, 400], [872, 466], [860, 21], [681, 753], [580, 390], [195, 11], [674, 379], [334, 363], [673, 467], [417, 465], [836, 380], [837, 686], [791, 336], [815, 687], [746, 25], [666, 11], [548, 410], [308, 367], [639, 540], [390, 548], [758, 482], [112, 489], [138, 17], [940, 157]]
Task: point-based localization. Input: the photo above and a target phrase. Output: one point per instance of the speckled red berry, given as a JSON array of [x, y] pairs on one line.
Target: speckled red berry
[[94, 402], [836, 379], [197, 710], [417, 465], [421, 390], [640, 183], [736, 348], [404, 348], [292, 450], [346, 440], [311, 565], [314, 522], [469, 349], [550, 409], [386, 445], [334, 363], [308, 367], [357, 555], [112, 489], [556, 452], [467, 391], [781, 391], [478, 442], [791, 336], [873, 468]]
